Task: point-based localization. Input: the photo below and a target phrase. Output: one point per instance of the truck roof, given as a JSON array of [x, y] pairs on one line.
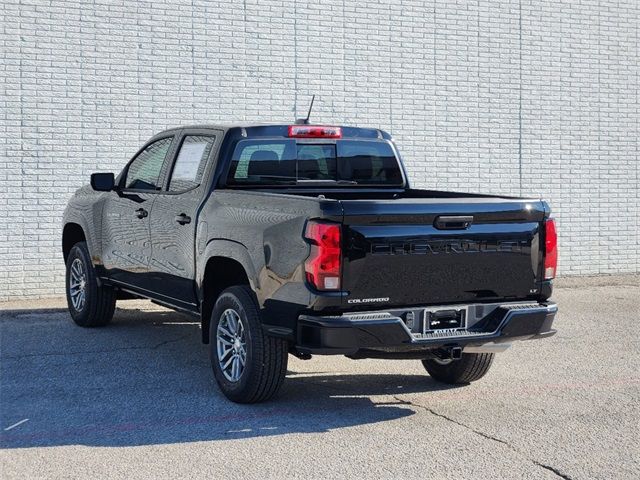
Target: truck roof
[[266, 128]]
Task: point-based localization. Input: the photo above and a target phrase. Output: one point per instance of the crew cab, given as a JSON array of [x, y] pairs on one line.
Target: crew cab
[[308, 240]]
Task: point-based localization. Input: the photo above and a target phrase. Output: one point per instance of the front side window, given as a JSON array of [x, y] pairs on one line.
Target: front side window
[[190, 163], [144, 172], [278, 162]]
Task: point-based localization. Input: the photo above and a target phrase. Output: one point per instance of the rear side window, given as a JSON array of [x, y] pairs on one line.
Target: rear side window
[[144, 171], [277, 162], [190, 163]]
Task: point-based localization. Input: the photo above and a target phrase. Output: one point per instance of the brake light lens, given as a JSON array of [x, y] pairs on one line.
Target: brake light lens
[[322, 268], [550, 249], [314, 131]]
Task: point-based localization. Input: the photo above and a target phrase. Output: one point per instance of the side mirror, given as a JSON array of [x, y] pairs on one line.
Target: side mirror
[[103, 182]]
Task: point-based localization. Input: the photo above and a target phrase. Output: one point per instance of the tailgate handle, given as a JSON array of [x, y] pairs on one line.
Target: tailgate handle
[[453, 222]]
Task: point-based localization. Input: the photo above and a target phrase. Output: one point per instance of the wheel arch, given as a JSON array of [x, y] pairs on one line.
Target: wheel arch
[[219, 273], [72, 233]]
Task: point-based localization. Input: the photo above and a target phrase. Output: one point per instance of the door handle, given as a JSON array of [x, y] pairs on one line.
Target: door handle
[[141, 213], [183, 219]]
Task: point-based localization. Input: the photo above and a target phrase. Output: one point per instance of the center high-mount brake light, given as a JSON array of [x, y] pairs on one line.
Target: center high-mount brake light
[[550, 249], [322, 268], [314, 131]]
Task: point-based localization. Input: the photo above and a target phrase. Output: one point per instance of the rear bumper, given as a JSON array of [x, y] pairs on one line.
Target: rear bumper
[[387, 334]]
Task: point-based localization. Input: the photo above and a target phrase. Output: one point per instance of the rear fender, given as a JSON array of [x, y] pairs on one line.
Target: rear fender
[[227, 249]]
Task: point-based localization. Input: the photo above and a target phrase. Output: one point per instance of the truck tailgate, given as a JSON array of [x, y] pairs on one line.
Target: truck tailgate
[[439, 251]]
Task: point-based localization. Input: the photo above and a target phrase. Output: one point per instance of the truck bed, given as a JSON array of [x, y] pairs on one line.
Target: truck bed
[[398, 252]]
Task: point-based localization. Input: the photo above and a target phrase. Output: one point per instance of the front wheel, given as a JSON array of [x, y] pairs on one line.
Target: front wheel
[[90, 304], [248, 365], [471, 367]]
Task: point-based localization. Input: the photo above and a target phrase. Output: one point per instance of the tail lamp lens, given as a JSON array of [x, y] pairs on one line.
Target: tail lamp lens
[[550, 249], [322, 268]]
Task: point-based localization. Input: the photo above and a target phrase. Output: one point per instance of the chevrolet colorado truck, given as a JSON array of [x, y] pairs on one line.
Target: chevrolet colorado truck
[[308, 240]]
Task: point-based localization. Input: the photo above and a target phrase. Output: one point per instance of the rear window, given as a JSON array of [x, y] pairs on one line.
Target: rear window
[[287, 162]]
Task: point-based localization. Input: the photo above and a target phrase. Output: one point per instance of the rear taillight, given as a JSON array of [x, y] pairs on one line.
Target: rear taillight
[[550, 249], [322, 268]]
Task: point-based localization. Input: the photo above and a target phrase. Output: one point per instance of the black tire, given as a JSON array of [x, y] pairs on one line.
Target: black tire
[[266, 357], [471, 367], [100, 301]]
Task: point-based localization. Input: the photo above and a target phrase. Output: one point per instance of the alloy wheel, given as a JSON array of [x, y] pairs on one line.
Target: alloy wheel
[[231, 345], [78, 284]]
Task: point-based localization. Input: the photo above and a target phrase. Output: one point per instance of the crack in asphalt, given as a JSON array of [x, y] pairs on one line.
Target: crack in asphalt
[[482, 434], [110, 350], [551, 469], [433, 412]]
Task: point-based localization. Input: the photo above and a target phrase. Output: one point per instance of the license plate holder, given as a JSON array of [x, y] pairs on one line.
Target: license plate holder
[[444, 319]]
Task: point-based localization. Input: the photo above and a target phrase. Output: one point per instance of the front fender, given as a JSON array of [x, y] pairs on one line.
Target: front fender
[[85, 210]]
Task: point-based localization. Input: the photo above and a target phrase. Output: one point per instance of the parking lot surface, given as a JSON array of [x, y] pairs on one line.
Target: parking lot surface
[[137, 400]]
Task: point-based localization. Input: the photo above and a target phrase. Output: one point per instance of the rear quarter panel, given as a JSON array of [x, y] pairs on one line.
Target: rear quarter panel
[[264, 232]]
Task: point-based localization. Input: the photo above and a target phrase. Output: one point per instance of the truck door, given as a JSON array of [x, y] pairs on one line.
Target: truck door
[[126, 243], [174, 216]]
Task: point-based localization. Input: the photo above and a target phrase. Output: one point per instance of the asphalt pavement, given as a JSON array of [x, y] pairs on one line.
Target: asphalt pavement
[[137, 400]]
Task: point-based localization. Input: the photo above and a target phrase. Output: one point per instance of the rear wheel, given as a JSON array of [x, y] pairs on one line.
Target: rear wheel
[[90, 304], [471, 367], [248, 365]]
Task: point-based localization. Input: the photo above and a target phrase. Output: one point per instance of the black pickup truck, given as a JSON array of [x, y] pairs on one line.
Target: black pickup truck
[[307, 239]]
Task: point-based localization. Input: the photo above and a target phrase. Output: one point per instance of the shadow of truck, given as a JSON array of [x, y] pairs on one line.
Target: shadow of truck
[[146, 379]]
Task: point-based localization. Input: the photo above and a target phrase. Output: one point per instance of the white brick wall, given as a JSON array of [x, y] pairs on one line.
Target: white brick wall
[[516, 97]]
